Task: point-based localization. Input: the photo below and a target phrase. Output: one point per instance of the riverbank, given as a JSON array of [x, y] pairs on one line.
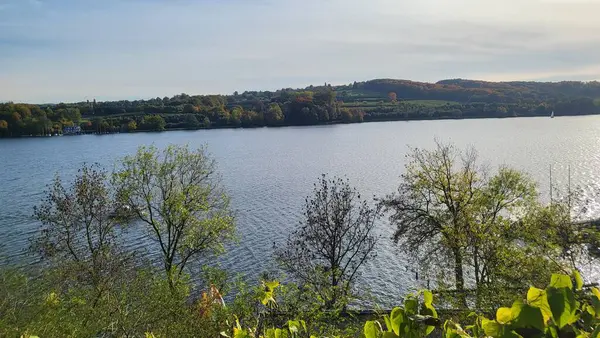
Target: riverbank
[[369, 120], [376, 100]]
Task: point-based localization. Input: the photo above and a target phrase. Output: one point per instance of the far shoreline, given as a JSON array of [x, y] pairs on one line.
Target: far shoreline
[[303, 125]]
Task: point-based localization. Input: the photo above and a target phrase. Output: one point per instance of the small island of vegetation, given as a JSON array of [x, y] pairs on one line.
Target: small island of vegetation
[[375, 100]]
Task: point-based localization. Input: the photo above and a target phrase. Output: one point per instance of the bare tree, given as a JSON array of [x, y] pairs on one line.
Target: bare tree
[[178, 195], [80, 228], [333, 242]]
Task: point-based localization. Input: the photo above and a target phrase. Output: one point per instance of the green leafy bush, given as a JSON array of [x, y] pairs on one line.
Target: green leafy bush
[[561, 310]]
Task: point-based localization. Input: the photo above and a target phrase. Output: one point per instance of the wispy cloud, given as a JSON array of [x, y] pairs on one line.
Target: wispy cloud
[[67, 50]]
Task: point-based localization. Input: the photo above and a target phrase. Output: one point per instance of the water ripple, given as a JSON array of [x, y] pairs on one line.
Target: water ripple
[[268, 172]]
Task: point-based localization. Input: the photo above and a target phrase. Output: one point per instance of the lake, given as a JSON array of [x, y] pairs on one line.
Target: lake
[[269, 171]]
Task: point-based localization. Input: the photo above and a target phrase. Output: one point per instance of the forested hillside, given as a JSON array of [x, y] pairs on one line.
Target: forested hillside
[[382, 99]]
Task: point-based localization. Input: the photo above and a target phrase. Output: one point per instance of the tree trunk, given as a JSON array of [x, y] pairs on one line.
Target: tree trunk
[[170, 273], [478, 277], [459, 277]]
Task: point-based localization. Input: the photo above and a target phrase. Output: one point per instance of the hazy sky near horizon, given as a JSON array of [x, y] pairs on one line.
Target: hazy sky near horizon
[[72, 50]]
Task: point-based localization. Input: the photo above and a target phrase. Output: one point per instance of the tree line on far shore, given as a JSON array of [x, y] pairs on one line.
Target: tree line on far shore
[[376, 100]]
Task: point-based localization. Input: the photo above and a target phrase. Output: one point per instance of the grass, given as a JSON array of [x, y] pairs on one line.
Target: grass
[[372, 104], [354, 94], [432, 103]]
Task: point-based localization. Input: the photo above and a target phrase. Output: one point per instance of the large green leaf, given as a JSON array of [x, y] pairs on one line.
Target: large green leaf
[[561, 281], [271, 285], [504, 315], [267, 298], [529, 317], [428, 308], [371, 329], [397, 318], [563, 305], [492, 328], [411, 306], [496, 330], [428, 330], [538, 298], [427, 297], [388, 322], [596, 292]]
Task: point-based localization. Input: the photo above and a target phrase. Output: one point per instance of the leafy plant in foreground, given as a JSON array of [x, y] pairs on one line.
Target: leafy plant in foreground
[[409, 321], [561, 310]]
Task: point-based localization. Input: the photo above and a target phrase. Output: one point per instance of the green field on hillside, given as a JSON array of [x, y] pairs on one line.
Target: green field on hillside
[[432, 103], [366, 104]]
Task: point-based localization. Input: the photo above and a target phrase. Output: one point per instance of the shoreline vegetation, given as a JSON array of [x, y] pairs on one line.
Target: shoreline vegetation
[[482, 237], [369, 101]]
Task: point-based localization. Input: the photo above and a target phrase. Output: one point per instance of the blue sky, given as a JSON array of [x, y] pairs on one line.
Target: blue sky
[[65, 50]]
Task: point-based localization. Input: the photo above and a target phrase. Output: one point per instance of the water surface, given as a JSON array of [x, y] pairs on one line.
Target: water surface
[[269, 171]]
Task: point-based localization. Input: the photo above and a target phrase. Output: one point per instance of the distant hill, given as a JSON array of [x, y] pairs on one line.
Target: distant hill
[[374, 100], [478, 91]]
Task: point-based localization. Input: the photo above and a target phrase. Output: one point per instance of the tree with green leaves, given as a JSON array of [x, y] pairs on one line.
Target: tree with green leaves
[[206, 122], [334, 240], [346, 115], [154, 122], [72, 114], [428, 207], [236, 116], [449, 212], [191, 122], [251, 118], [274, 115], [131, 126], [81, 224], [178, 195]]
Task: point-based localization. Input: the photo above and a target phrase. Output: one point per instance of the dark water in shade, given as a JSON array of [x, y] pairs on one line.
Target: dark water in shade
[[269, 171]]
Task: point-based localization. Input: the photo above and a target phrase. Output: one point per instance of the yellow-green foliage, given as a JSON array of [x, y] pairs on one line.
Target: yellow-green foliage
[[561, 310]]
